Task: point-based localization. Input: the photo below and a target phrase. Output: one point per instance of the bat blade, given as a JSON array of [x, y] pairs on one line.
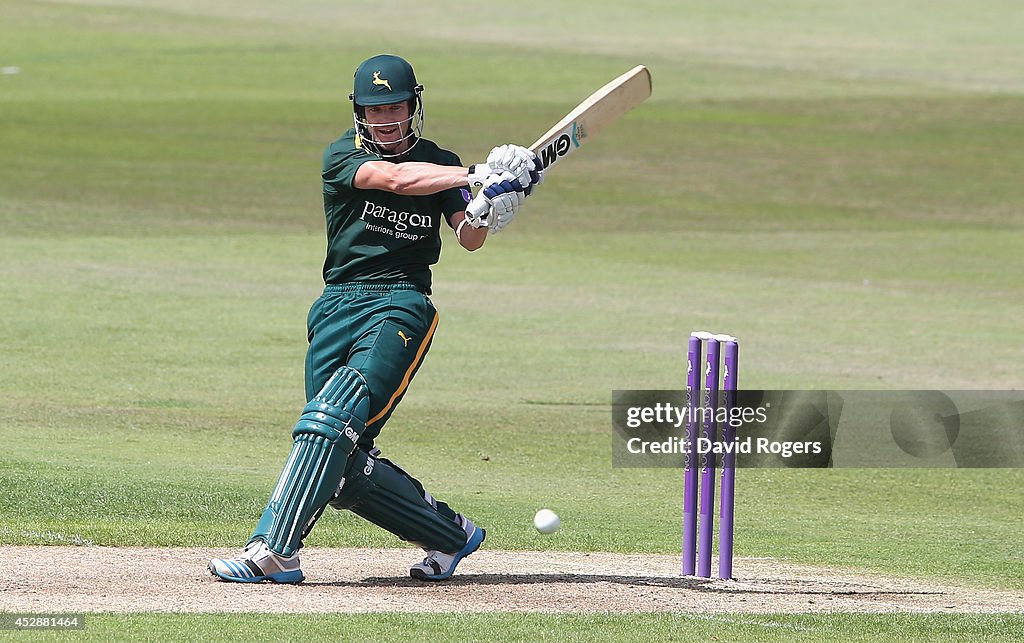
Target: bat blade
[[597, 111], [586, 120]]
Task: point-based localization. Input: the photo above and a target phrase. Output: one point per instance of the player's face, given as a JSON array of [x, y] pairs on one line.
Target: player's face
[[389, 124]]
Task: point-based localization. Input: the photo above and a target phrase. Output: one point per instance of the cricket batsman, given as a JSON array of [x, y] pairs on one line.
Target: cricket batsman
[[386, 191]]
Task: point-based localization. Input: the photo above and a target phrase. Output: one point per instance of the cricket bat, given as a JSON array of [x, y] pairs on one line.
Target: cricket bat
[[586, 120], [599, 110]]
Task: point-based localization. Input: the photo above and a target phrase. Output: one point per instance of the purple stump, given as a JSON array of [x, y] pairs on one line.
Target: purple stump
[[725, 526], [690, 475], [707, 461]]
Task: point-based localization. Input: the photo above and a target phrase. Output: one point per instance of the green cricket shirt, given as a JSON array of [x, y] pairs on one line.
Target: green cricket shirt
[[374, 235]]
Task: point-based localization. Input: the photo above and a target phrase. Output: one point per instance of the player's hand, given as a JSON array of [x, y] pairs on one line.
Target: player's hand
[[504, 208], [536, 175], [516, 160], [497, 203], [521, 162]]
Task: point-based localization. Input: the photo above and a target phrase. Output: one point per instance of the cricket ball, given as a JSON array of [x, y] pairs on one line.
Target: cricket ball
[[546, 521]]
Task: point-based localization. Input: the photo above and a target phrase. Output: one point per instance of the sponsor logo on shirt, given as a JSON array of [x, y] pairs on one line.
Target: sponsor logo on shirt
[[402, 225]]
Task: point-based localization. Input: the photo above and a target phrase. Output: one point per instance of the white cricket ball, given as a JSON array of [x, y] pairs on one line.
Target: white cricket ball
[[546, 521]]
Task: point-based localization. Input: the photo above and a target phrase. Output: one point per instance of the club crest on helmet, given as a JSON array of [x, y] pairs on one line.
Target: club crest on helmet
[[377, 80]]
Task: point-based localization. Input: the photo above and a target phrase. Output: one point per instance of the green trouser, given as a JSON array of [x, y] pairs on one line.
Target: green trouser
[[377, 335], [381, 330]]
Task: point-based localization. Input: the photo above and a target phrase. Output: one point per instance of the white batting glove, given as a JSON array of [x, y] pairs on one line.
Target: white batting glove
[[497, 203], [504, 208], [477, 211], [515, 159], [478, 173], [523, 159]]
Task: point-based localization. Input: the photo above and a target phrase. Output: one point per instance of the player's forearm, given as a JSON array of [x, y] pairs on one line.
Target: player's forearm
[[412, 178], [419, 179]]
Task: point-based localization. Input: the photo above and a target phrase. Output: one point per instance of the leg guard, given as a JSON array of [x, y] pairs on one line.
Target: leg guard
[[382, 493], [325, 437]]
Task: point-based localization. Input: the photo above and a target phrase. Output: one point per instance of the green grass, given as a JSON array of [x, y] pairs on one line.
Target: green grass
[[547, 627], [837, 185]]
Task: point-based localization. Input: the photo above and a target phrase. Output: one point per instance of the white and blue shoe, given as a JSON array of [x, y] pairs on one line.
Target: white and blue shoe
[[257, 564], [440, 566]]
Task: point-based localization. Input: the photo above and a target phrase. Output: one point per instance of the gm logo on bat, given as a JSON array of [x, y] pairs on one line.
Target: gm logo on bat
[[567, 141]]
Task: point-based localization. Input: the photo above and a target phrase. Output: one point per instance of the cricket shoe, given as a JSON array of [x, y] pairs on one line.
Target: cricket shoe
[[257, 564], [440, 566]]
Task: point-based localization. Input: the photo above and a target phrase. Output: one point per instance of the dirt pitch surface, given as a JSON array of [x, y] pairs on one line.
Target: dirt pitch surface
[[129, 579]]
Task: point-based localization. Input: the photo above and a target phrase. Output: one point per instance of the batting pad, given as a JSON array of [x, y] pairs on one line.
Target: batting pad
[[386, 496], [324, 439]]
